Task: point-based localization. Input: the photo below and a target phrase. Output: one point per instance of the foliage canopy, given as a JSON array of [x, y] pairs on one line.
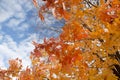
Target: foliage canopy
[[85, 50]]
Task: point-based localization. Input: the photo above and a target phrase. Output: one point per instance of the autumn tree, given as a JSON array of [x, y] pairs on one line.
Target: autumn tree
[[85, 49]]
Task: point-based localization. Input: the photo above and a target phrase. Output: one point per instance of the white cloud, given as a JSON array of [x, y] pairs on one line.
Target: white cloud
[[1, 37], [20, 15], [4, 15], [9, 8], [23, 27], [21, 35], [2, 65], [9, 49], [7, 52], [0, 27], [14, 23], [14, 13]]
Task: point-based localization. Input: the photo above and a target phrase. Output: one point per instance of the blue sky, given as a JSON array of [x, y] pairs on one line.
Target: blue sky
[[19, 26]]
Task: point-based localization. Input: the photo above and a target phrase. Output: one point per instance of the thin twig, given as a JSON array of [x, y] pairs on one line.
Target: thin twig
[[85, 25], [89, 3]]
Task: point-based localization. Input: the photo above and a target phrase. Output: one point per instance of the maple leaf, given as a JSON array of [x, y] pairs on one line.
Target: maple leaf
[[84, 50], [35, 3], [41, 16]]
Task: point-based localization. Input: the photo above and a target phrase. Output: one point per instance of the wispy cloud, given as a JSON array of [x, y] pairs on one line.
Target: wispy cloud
[[13, 16], [0, 27], [16, 30], [8, 9], [9, 49], [14, 12]]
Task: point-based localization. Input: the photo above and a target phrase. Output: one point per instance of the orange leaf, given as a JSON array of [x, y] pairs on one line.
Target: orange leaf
[[66, 15], [41, 16], [35, 3]]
